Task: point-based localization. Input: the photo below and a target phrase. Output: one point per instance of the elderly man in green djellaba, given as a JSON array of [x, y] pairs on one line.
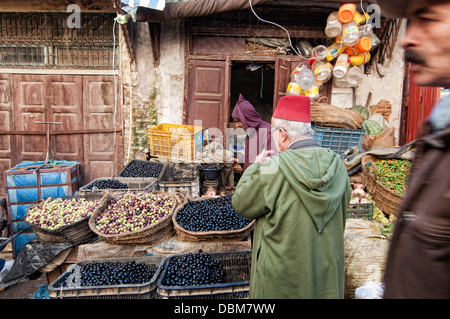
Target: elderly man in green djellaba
[[299, 198]]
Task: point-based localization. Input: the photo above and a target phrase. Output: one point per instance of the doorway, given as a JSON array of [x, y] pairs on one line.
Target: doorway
[[255, 81]]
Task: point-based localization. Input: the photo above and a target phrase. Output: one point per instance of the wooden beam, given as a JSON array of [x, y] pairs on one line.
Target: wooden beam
[[155, 38]]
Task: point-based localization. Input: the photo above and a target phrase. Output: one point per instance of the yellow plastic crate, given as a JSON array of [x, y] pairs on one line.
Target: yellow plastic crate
[[175, 141]]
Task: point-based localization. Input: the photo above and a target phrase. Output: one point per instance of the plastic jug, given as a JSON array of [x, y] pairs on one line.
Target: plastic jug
[[360, 18], [293, 89], [346, 12], [364, 45], [313, 92], [322, 70], [319, 52], [334, 26], [350, 33], [341, 66], [306, 79], [295, 75], [334, 50], [354, 76], [367, 31], [359, 59]]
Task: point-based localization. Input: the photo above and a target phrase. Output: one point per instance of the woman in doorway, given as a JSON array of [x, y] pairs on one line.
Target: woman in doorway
[[258, 134]]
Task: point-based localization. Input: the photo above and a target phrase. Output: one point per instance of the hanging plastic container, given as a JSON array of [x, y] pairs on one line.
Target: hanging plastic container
[[354, 76], [334, 50], [359, 59], [334, 26], [306, 79], [341, 66], [367, 31], [312, 93], [350, 33], [319, 52], [322, 70], [364, 45], [346, 12], [360, 18], [293, 89], [295, 75]]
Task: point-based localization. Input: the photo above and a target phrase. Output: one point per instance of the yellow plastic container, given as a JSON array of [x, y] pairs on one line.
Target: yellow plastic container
[[176, 142], [359, 59]]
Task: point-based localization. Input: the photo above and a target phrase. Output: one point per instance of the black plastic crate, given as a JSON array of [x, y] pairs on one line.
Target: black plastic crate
[[237, 267], [145, 290]]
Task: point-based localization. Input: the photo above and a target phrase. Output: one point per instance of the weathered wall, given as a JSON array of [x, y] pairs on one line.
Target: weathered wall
[[152, 95]]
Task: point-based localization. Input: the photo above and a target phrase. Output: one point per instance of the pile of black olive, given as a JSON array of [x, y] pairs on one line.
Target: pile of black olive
[[106, 184], [142, 169], [112, 273], [193, 269], [213, 214]]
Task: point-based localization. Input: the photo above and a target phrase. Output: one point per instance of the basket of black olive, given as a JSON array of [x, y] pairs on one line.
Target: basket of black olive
[[134, 218], [117, 278], [206, 275], [140, 168], [119, 185], [210, 219]]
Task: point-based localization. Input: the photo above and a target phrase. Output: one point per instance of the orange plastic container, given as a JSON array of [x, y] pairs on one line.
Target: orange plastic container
[[364, 45], [346, 12]]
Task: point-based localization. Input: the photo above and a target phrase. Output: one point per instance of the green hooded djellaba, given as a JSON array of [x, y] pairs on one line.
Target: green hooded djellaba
[[299, 200]]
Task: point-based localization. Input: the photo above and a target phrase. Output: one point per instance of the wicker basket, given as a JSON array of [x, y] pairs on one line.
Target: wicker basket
[[218, 235], [76, 233], [329, 115], [387, 200], [152, 234]]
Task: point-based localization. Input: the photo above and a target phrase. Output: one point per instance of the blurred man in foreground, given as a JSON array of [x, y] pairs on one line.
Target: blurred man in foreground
[[418, 264]]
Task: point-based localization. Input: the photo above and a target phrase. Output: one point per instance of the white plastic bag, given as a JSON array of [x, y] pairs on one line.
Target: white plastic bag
[[370, 290]]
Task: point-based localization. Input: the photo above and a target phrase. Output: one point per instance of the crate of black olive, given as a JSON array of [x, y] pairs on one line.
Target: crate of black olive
[[141, 168], [134, 218], [210, 219], [118, 278], [183, 177], [202, 275], [62, 219], [119, 185]]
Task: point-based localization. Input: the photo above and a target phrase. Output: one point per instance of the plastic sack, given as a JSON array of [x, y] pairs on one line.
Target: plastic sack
[[370, 290]]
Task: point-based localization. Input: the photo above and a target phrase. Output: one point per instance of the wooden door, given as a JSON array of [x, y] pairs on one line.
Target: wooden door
[[418, 105], [103, 145], [7, 142], [283, 69], [208, 91], [85, 105]]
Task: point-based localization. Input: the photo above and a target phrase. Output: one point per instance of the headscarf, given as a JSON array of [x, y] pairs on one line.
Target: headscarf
[[245, 113]]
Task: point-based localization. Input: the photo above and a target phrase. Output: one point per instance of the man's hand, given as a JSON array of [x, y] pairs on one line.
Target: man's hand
[[264, 156]]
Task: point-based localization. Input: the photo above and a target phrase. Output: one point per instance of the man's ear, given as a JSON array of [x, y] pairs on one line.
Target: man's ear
[[283, 135]]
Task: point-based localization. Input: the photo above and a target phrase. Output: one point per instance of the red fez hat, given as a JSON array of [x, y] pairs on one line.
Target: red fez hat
[[294, 108]]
